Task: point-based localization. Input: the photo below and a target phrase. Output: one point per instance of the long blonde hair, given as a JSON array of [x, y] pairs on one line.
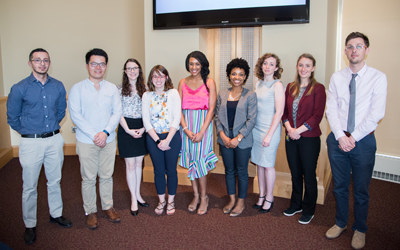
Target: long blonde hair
[[295, 85]]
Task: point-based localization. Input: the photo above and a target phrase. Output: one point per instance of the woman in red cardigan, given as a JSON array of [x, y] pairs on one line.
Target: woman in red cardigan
[[305, 106]]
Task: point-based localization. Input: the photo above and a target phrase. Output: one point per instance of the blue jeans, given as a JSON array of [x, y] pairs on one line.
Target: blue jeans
[[359, 163], [165, 162], [236, 161]]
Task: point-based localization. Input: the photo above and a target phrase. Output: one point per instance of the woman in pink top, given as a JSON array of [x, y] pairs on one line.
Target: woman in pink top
[[199, 96]]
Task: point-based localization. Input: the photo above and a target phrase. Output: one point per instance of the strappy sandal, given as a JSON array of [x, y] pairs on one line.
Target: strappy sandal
[[192, 208], [203, 211], [256, 206], [171, 208], [160, 208]]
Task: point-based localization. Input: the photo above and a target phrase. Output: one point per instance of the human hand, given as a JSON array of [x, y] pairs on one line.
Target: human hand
[[131, 132], [346, 144], [234, 143], [226, 140], [198, 137], [138, 133], [266, 141], [189, 134], [294, 134], [100, 139], [164, 145]]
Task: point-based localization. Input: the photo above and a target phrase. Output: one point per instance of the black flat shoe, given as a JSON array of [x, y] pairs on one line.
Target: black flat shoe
[[61, 221], [134, 213], [30, 235], [144, 204], [259, 206], [263, 211]]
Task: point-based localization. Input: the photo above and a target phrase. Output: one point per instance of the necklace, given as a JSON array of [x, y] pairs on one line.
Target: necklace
[[234, 98]]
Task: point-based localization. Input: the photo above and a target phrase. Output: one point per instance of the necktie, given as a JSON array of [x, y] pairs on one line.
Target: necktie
[[351, 121]]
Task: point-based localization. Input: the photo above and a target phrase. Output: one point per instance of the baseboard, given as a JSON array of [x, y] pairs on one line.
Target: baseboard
[[6, 154], [283, 187]]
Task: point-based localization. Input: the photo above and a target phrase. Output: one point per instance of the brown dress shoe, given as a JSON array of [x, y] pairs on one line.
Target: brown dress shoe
[[334, 232], [112, 215], [91, 221]]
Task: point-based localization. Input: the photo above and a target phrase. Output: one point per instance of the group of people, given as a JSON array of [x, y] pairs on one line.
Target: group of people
[[172, 124]]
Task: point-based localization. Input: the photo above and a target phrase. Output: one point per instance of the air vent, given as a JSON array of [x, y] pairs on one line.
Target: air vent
[[386, 176]]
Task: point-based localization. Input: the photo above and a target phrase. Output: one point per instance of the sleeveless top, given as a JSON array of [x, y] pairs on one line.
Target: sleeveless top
[[194, 99]]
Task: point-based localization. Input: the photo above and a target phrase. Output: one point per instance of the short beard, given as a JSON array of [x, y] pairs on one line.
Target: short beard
[[41, 73]]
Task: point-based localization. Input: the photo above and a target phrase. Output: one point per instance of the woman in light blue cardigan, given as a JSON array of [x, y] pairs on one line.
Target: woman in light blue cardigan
[[235, 118]]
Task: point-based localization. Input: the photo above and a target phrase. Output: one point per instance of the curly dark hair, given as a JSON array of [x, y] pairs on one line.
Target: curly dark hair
[[238, 63], [126, 86], [205, 71], [157, 70], [258, 69]]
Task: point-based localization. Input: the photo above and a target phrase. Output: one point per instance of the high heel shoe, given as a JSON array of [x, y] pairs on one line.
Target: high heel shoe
[[256, 206], [203, 211], [263, 211], [134, 213], [144, 204], [192, 208]]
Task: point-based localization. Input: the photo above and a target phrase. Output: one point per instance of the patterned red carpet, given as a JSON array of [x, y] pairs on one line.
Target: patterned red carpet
[[185, 230]]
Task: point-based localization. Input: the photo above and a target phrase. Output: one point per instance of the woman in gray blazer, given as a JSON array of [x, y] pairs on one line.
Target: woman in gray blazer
[[235, 117]]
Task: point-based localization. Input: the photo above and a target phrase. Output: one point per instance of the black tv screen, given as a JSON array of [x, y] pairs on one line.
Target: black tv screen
[[174, 14]]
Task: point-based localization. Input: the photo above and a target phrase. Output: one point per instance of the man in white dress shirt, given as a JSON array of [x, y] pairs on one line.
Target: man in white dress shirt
[[95, 108], [356, 103]]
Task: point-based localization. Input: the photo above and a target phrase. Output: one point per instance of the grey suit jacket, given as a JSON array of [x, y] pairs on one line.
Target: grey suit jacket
[[245, 117]]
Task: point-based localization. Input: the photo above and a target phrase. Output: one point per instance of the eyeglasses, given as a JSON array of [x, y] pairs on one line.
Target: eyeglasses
[[95, 64], [358, 47], [158, 77], [38, 61], [132, 69]]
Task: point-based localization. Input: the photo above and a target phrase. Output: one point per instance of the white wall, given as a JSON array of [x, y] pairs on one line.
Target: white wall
[[67, 30], [289, 41], [380, 21], [168, 47]]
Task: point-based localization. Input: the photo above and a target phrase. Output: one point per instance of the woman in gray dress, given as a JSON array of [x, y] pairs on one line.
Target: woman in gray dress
[[267, 132]]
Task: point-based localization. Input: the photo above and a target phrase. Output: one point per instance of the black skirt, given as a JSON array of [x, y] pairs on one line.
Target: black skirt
[[129, 146]]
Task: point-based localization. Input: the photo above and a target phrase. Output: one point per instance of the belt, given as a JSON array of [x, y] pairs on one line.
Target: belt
[[43, 135], [348, 134]]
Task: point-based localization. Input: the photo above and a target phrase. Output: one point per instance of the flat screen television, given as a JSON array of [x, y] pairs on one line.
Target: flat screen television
[[175, 14]]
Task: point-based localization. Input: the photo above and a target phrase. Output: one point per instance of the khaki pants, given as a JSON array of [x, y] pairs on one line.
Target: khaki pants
[[33, 153], [96, 161]]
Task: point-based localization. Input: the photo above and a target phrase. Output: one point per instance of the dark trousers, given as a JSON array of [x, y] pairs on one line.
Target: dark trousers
[[165, 162], [236, 162], [302, 156], [359, 163]]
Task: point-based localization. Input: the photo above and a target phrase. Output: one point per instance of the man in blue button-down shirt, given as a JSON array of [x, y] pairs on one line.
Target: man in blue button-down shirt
[[35, 108]]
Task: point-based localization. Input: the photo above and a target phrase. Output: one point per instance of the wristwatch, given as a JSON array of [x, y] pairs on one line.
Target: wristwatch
[[158, 141], [239, 139]]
